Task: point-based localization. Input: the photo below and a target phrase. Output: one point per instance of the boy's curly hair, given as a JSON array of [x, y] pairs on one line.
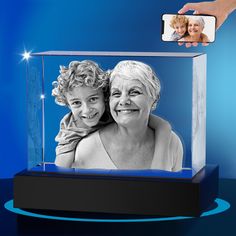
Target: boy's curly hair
[[178, 19], [79, 73]]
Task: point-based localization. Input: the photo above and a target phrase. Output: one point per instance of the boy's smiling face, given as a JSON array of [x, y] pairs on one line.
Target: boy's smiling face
[[180, 28], [86, 104]]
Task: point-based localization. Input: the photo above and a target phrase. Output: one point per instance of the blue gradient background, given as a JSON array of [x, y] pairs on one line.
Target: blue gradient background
[[124, 25]]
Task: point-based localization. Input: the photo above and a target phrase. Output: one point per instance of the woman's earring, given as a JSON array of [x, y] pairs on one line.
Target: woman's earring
[[154, 105]]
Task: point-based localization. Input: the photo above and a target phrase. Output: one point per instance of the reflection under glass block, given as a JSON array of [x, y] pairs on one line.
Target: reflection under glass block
[[182, 103]]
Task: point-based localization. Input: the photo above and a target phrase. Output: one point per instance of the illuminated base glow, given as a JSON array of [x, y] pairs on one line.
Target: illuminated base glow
[[222, 206]]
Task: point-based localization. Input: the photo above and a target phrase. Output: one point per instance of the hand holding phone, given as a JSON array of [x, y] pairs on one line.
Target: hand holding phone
[[188, 28]]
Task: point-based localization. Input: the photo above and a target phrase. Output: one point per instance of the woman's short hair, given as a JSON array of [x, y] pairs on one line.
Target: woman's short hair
[[142, 72], [78, 73], [199, 19], [178, 19]]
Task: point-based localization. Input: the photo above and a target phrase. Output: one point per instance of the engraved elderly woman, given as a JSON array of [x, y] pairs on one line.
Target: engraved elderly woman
[[130, 143], [196, 25]]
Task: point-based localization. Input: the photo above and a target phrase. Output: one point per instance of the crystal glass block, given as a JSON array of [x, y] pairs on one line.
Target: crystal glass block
[[182, 102]]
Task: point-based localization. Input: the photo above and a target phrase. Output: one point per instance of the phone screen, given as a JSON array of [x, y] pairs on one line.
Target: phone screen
[[188, 28]]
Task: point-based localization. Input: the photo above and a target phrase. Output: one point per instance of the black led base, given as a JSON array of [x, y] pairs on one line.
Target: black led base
[[117, 194]]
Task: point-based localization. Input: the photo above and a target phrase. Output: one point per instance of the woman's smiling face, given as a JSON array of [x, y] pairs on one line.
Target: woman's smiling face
[[194, 27], [130, 104]]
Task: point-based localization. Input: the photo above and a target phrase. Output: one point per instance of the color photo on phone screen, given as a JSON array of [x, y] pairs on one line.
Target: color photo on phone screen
[[188, 28]]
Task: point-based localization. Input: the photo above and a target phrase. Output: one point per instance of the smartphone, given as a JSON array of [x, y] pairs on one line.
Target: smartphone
[[188, 28]]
